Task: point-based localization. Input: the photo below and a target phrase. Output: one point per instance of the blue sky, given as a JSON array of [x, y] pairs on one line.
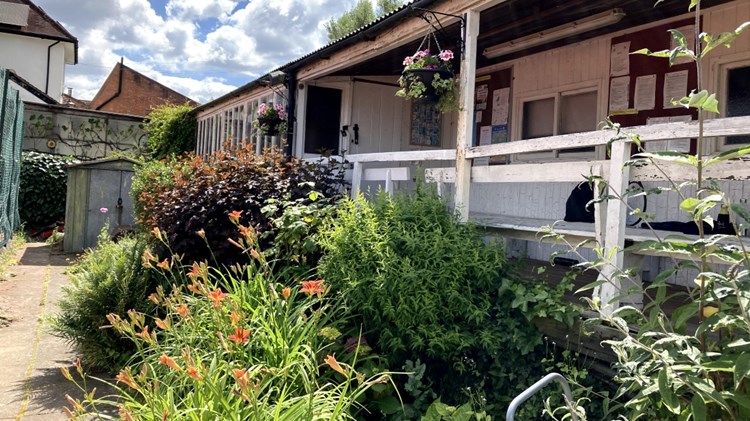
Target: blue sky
[[201, 48]]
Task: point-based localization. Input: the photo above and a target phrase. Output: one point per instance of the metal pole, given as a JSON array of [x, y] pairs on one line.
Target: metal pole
[[549, 378]]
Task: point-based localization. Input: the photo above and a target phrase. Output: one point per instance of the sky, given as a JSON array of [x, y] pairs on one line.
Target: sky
[[200, 48]]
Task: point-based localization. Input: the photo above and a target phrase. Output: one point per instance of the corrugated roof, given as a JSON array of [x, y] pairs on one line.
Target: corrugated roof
[[331, 47]]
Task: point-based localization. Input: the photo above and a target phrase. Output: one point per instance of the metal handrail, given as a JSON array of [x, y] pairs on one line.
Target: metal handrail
[[526, 394]]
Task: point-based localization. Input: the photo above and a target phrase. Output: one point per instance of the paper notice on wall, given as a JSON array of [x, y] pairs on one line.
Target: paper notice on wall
[[480, 97], [675, 88], [485, 135], [645, 93], [688, 32], [679, 145], [619, 91], [619, 59], [500, 105], [499, 134]]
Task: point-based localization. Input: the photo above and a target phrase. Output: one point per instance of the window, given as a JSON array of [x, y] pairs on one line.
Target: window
[[566, 112], [738, 100]]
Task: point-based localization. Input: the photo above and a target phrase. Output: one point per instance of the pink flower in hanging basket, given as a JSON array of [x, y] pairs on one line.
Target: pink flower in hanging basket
[[423, 53], [446, 55], [408, 60]]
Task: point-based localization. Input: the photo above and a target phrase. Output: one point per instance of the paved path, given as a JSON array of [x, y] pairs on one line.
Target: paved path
[[31, 386]]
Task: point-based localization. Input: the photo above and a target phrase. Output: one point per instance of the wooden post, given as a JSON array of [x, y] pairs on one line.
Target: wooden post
[[465, 115], [356, 178], [389, 182], [619, 176]]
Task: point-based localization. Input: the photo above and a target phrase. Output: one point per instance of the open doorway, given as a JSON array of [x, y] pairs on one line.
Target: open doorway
[[323, 120]]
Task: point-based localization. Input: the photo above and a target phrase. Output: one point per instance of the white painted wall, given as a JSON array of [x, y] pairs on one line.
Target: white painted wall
[[27, 56]]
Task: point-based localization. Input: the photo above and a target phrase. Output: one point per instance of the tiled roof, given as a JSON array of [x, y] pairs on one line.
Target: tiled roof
[[40, 25]]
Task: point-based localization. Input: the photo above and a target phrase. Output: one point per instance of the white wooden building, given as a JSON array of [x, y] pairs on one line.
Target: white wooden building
[[537, 77]]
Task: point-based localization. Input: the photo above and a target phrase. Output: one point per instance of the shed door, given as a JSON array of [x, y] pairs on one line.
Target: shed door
[[323, 120], [106, 188], [381, 117]]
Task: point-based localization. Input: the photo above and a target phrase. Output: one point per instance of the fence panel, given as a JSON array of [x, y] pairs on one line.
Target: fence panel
[[11, 141]]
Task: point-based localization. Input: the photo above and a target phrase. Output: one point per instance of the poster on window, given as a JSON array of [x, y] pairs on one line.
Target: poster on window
[[425, 124]]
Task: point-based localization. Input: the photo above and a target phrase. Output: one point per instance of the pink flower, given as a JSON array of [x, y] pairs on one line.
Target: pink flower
[[446, 55], [423, 53], [408, 61], [103, 210], [262, 108]]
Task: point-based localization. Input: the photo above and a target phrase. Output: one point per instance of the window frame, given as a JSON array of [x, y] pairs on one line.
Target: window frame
[[724, 68], [557, 94]]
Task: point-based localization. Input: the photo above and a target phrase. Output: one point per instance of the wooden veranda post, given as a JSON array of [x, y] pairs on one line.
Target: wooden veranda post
[[465, 115]]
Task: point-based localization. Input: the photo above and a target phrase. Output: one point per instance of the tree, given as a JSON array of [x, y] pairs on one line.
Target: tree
[[360, 15], [171, 130]]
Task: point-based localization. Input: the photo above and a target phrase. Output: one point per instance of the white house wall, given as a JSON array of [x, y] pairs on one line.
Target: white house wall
[[27, 56]]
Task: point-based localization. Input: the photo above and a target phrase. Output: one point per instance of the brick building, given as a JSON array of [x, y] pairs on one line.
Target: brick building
[[128, 92]]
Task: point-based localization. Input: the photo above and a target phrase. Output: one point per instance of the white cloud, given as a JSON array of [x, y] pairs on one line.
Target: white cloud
[[201, 48]]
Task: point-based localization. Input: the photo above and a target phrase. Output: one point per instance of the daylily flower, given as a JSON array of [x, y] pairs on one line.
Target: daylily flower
[[164, 264], [240, 335], [126, 377], [286, 292], [201, 233], [182, 310], [331, 361], [157, 233], [125, 414], [234, 317], [217, 296], [193, 373], [234, 216], [240, 374], [169, 362], [313, 287]]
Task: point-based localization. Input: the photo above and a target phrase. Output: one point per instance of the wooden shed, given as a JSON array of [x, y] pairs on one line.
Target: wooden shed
[[98, 192]]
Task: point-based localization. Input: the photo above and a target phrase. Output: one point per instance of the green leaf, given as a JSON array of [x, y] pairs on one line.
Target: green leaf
[[724, 38], [689, 204], [667, 393], [741, 368], [698, 407], [741, 211], [670, 156], [727, 155]]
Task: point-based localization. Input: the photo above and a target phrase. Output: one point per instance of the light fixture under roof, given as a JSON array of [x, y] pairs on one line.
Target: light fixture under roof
[[579, 26]]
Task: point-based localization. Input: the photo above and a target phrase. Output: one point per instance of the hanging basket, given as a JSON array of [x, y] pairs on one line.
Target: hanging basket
[[426, 76], [272, 124]]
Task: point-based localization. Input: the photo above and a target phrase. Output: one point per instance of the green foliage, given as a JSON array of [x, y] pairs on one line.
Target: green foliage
[[428, 287], [149, 179], [192, 195], [360, 15], [108, 279], [41, 196], [171, 130], [239, 345], [692, 363]]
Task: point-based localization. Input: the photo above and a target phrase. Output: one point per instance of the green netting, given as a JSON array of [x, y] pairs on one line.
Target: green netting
[[11, 142]]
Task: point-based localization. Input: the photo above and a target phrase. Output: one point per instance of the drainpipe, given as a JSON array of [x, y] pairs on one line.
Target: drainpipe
[[49, 58], [119, 88], [291, 83]]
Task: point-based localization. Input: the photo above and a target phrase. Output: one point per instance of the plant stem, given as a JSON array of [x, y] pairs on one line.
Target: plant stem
[[699, 180]]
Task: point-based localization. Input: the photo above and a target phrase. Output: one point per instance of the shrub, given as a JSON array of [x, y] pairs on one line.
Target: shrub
[[43, 187], [171, 130], [426, 287], [201, 193], [237, 345], [108, 279]]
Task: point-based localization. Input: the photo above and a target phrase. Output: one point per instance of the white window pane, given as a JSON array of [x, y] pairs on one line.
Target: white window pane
[[538, 118], [578, 113]]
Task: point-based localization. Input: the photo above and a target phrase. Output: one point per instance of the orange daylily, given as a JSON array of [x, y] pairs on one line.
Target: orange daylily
[[234, 216], [240, 335], [157, 233], [193, 373], [169, 362], [286, 292], [126, 377], [313, 287], [234, 317], [164, 264], [331, 361], [182, 310], [201, 233], [217, 296]]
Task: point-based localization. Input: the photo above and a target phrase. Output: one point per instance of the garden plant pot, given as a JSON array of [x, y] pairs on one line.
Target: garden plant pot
[[426, 76], [272, 123]]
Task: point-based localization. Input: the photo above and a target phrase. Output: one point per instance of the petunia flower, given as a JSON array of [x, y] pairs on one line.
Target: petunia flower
[[446, 55]]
